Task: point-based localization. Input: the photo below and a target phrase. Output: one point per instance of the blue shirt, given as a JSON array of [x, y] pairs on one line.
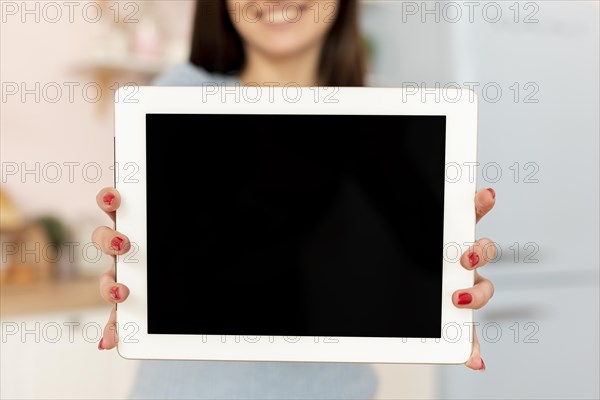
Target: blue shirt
[[246, 380]]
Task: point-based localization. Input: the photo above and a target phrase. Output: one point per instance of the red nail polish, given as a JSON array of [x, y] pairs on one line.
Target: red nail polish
[[464, 298], [492, 192], [100, 344], [108, 198], [116, 243], [473, 259], [482, 366], [114, 292]]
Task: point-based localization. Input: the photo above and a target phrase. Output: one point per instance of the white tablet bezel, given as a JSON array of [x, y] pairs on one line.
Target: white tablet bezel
[[131, 106]]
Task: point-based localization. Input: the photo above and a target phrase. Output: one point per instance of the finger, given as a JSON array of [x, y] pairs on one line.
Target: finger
[[484, 202], [109, 199], [110, 290], [475, 361], [110, 241], [480, 253], [109, 336], [476, 296]]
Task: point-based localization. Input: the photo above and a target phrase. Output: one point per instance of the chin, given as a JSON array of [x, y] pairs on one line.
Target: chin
[[282, 49], [286, 42]]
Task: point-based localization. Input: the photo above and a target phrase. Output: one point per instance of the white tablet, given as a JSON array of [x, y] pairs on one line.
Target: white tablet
[[295, 224]]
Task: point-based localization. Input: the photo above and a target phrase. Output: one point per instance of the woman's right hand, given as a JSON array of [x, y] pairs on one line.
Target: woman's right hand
[[112, 243]]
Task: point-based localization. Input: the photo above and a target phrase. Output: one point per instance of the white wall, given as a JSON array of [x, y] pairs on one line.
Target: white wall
[[63, 132]]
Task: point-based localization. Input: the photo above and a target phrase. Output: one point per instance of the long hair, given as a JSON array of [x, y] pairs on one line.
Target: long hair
[[217, 46]]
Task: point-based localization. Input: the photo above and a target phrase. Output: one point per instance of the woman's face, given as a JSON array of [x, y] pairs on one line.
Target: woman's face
[[282, 28]]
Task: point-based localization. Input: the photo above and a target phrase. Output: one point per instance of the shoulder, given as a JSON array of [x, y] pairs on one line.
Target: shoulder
[[187, 74]]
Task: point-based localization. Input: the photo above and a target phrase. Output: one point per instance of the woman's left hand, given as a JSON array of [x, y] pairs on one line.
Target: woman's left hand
[[477, 256]]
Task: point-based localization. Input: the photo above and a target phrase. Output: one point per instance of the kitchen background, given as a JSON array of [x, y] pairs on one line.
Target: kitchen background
[[535, 68]]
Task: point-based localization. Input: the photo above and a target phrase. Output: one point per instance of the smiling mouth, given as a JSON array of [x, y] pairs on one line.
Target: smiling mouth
[[282, 15]]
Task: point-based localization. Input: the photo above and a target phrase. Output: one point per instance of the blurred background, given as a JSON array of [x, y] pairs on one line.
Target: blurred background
[[535, 68]]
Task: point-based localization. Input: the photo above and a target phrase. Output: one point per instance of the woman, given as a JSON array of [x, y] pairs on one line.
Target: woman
[[305, 43]]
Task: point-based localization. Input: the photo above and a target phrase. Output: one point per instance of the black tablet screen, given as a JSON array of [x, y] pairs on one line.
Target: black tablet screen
[[295, 225]]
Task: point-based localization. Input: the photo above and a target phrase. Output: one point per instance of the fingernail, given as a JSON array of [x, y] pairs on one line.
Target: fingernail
[[482, 366], [108, 198], [100, 344], [492, 192], [115, 293], [464, 298], [116, 243], [473, 259]]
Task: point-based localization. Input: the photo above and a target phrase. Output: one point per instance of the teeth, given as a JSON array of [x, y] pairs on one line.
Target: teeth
[[277, 18]]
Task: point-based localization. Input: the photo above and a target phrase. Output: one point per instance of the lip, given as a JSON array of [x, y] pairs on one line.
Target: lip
[[273, 16]]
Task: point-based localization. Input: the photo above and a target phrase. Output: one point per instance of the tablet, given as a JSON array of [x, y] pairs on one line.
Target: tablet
[[295, 224]]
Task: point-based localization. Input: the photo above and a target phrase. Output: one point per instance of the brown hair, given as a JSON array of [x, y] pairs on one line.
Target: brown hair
[[217, 46]]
